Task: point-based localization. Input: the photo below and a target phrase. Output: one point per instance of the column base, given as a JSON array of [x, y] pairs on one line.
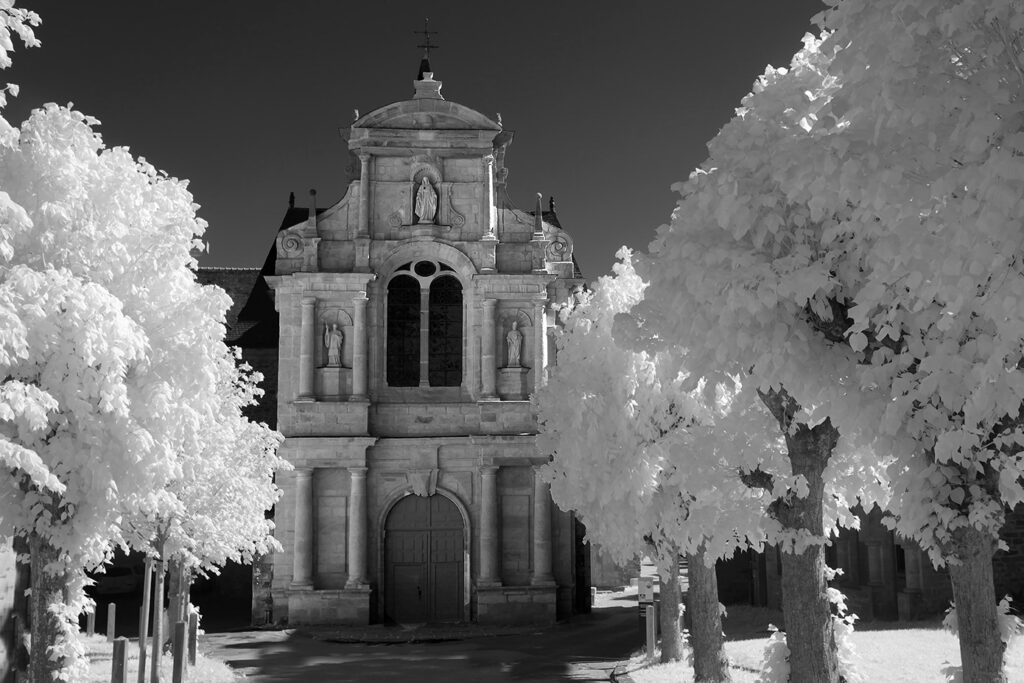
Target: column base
[[488, 398], [543, 581], [348, 606], [361, 398], [305, 399], [516, 605], [300, 586]]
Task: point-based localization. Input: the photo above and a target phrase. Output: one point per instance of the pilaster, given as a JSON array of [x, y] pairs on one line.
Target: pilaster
[[357, 528], [302, 545], [359, 358], [488, 371], [541, 531], [306, 347], [489, 526]]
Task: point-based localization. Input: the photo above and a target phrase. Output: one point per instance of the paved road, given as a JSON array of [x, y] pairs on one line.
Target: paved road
[[585, 649]]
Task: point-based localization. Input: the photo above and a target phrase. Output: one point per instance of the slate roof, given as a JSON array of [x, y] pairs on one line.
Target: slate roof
[[238, 283]]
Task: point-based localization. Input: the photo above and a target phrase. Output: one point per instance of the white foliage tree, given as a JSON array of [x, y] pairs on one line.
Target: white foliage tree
[[855, 239], [640, 460], [112, 364]]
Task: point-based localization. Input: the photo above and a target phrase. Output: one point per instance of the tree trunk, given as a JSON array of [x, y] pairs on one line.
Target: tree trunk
[[810, 632], [47, 589], [669, 601], [158, 622], [710, 663], [981, 646], [22, 624]]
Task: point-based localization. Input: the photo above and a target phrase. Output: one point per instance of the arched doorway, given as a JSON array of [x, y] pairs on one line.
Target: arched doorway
[[424, 554]]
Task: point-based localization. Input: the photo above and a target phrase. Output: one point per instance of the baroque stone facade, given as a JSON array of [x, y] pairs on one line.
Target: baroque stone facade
[[414, 321]]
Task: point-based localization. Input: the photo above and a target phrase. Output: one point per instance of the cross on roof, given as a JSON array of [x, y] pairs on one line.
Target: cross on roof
[[426, 37]]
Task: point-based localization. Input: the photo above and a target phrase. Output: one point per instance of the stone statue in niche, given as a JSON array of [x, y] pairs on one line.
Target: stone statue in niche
[[515, 345], [426, 202], [333, 339]]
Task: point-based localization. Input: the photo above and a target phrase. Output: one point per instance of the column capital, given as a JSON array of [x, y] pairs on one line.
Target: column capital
[[489, 470], [360, 298], [304, 472], [309, 301], [358, 472], [488, 303], [488, 159], [364, 157]]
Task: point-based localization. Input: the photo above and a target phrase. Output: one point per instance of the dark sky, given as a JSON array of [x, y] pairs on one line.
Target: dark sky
[[609, 106]]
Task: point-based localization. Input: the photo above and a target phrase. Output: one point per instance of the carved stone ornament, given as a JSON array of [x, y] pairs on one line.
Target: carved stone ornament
[[292, 245], [457, 219], [422, 482], [395, 219], [559, 249]]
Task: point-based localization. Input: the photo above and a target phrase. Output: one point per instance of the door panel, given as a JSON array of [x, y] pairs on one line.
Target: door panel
[[424, 560], [410, 593]]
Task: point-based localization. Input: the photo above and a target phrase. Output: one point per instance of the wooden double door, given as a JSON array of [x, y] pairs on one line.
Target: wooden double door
[[424, 561]]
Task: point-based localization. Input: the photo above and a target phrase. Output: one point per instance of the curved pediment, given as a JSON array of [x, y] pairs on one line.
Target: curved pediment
[[426, 114]]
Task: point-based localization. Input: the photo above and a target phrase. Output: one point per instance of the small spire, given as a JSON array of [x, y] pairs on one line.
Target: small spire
[[538, 218], [312, 207], [291, 200], [427, 47], [551, 203]]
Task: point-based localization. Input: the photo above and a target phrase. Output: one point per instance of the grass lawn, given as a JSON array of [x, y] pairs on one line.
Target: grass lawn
[[99, 652], [907, 652]]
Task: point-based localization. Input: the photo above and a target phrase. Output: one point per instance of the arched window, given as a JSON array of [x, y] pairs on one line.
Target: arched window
[[424, 326], [404, 332], [445, 325]]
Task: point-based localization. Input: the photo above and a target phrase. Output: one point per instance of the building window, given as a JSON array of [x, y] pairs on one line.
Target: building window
[[404, 332], [444, 367], [424, 326]]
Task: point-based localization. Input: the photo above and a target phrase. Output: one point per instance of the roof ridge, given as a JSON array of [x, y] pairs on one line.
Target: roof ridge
[[255, 268]]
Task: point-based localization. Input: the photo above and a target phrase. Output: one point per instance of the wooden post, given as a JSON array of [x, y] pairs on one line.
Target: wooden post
[[111, 617], [158, 623], [652, 626], [90, 622], [147, 585], [193, 637], [119, 665], [178, 673]]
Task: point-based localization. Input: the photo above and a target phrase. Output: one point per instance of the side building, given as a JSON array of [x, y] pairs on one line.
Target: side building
[[411, 321]]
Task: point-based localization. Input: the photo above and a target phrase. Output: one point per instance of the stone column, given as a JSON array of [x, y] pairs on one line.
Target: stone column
[[307, 346], [875, 563], [356, 528], [364, 195], [487, 367], [488, 207], [359, 359], [489, 526], [302, 544], [912, 559], [540, 348], [424, 337], [541, 531]]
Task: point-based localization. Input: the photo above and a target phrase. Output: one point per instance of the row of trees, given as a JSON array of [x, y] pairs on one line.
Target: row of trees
[[121, 408], [850, 258]]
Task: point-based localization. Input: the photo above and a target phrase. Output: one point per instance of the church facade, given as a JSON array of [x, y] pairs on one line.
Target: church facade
[[414, 322]]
